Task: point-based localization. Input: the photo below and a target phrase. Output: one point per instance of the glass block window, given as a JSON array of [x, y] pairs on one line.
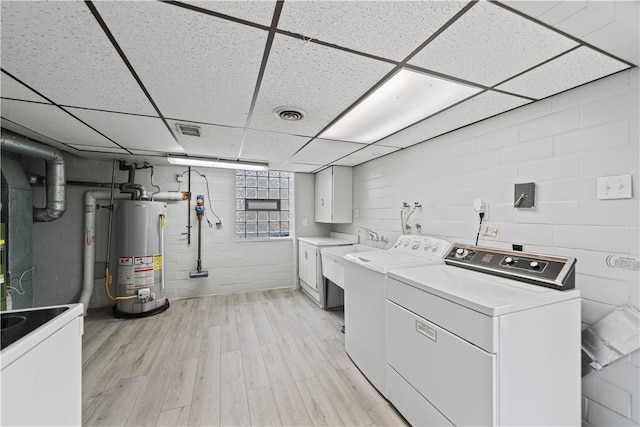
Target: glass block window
[[255, 189]]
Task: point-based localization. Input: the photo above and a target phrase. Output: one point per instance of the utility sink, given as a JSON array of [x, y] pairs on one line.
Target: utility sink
[[16, 325]]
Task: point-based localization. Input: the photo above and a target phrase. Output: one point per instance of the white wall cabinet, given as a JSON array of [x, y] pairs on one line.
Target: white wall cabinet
[[333, 195]]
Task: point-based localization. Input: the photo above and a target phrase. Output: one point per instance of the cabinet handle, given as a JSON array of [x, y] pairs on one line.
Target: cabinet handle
[[305, 255], [426, 331], [321, 202]]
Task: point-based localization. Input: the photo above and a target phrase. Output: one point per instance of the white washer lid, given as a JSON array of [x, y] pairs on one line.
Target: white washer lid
[[382, 261], [491, 295]]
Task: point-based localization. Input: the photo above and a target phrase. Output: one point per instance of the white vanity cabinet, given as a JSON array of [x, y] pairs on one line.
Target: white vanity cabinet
[[333, 195], [308, 264]]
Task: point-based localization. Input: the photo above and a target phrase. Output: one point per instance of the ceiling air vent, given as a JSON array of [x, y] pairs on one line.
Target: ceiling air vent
[[188, 130], [290, 114]]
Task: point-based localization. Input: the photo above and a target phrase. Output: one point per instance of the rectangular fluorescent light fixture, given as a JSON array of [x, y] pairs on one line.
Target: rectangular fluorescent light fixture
[[403, 100], [223, 164]]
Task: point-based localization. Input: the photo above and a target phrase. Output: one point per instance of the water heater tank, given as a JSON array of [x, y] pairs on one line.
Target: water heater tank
[[140, 287]]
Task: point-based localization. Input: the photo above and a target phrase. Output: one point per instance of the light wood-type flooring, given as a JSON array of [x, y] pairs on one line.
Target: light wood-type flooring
[[264, 358]]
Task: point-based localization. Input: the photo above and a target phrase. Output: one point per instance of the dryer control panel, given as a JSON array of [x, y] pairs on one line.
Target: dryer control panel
[[538, 269]]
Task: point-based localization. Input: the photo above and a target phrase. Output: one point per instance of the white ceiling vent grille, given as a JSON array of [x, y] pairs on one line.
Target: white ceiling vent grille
[[188, 130], [290, 114]]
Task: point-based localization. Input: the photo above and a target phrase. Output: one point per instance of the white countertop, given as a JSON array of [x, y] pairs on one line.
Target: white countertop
[[334, 239]]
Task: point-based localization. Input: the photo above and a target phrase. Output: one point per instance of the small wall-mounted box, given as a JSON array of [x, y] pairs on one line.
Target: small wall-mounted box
[[614, 187], [524, 195]]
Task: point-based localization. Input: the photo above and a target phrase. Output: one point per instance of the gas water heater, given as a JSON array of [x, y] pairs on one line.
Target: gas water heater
[[140, 285]]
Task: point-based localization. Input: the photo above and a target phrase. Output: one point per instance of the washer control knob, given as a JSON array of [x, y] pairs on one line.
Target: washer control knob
[[508, 260], [534, 265], [415, 245]]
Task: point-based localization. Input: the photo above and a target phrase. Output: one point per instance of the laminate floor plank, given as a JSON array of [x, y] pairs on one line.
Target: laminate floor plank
[[262, 407], [234, 406], [263, 358], [178, 417], [318, 404], [180, 390], [205, 404]]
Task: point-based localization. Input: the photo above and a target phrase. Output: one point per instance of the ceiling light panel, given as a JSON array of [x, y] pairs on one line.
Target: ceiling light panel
[[214, 141], [369, 152], [52, 122], [199, 68], [321, 80], [489, 44], [478, 108], [260, 12], [276, 147], [404, 99], [390, 29], [58, 49], [11, 88], [568, 71], [324, 151], [131, 132]]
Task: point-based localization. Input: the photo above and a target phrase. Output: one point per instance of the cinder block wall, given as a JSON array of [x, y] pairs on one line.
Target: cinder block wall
[[563, 144]]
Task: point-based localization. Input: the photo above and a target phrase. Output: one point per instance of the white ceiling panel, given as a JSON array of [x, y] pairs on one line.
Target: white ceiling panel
[[588, 19], [320, 80], [200, 68], [131, 132], [52, 122], [618, 39], [90, 148], [21, 130], [215, 141], [480, 107], [562, 11], [12, 89], [275, 147], [325, 151], [573, 69], [294, 167], [58, 49], [532, 8], [497, 55], [383, 28], [369, 152], [260, 12]]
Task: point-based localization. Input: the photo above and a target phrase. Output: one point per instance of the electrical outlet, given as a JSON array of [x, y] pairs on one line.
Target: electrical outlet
[[179, 177], [490, 231]]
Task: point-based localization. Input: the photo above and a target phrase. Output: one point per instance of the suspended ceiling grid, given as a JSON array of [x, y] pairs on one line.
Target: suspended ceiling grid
[[111, 79]]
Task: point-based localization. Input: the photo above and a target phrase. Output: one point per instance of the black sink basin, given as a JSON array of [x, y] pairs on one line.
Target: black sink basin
[[19, 324]]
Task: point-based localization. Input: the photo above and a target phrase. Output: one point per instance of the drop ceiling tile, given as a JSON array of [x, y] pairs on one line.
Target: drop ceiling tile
[[93, 148], [531, 8], [489, 44], [21, 130], [320, 80], [260, 12], [200, 68], [389, 29], [614, 37], [568, 71], [587, 20], [52, 122], [478, 108], [368, 153], [131, 132], [59, 49], [214, 142], [325, 151], [11, 88], [294, 167], [562, 11], [270, 146]]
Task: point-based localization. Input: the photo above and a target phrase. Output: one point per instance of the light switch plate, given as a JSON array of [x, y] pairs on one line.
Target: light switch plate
[[614, 187]]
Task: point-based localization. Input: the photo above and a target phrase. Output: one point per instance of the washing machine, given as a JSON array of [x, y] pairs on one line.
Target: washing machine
[[491, 337], [365, 276]]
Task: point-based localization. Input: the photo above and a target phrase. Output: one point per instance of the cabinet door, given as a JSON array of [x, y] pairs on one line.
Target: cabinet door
[[302, 261], [323, 197]]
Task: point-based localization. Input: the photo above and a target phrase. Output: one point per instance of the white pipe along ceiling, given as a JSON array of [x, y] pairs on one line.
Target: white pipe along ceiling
[[227, 80]]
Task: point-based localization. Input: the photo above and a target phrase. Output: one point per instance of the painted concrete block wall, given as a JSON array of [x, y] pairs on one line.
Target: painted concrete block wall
[[563, 144], [233, 266]]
